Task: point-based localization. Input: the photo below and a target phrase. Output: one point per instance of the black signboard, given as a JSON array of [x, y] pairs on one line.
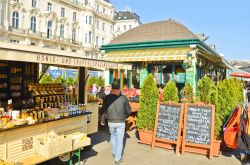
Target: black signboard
[[168, 122], [198, 125]]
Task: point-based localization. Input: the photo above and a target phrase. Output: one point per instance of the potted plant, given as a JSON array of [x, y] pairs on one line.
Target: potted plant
[[148, 106], [170, 92]]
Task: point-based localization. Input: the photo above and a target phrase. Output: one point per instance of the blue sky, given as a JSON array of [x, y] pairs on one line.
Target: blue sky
[[226, 22]]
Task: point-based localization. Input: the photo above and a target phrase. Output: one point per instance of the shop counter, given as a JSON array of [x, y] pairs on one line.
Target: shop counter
[[17, 144]]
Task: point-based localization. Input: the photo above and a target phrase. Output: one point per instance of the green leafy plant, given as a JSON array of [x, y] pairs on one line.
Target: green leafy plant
[[60, 80], [100, 81], [188, 93], [230, 94], [225, 96], [70, 81], [148, 104], [46, 79], [91, 80], [170, 92], [208, 94]]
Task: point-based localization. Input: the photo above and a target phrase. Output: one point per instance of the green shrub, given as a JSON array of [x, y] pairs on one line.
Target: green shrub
[[188, 93], [225, 96], [148, 104], [170, 92]]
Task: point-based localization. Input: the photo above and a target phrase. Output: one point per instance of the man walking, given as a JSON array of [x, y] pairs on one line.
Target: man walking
[[117, 108]]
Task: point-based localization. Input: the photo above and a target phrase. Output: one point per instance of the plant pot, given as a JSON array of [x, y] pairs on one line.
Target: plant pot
[[216, 147], [145, 136]]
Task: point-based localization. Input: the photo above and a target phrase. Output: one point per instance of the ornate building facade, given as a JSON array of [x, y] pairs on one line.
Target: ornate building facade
[[79, 26]]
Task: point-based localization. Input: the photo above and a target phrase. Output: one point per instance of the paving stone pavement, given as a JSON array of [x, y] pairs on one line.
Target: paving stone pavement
[[140, 154]]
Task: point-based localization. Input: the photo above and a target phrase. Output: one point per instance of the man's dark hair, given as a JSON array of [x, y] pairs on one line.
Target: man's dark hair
[[115, 85]]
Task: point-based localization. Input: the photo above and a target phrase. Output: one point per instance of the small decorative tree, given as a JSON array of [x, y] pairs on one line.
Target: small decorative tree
[[148, 104], [208, 93], [100, 81], [188, 93], [170, 92]]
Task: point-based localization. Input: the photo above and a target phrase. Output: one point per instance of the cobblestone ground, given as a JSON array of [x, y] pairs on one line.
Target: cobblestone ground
[[140, 154]]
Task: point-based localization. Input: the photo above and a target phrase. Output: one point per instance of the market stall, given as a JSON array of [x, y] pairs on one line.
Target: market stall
[[37, 121]]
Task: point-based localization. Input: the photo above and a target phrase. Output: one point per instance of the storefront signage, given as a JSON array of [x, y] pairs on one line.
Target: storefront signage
[[72, 61], [180, 77]]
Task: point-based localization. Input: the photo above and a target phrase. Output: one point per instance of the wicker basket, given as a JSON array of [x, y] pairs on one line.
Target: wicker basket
[[53, 148]]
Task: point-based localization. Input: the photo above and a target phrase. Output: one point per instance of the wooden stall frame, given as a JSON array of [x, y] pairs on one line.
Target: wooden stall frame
[[168, 143], [198, 148]]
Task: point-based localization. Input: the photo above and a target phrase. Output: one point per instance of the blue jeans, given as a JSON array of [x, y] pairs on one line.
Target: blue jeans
[[117, 134]]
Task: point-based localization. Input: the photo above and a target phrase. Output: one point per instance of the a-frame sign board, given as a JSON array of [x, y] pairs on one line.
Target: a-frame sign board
[[198, 129], [167, 130]]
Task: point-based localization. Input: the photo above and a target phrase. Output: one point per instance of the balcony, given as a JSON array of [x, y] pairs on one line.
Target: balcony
[[36, 33], [75, 3], [105, 16], [16, 30]]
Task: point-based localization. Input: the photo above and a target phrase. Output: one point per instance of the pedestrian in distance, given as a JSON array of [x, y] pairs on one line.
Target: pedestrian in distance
[[117, 108]]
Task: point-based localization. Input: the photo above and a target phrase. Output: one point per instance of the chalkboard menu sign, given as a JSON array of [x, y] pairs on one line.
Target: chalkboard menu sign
[[168, 122], [198, 125], [198, 129], [167, 129]]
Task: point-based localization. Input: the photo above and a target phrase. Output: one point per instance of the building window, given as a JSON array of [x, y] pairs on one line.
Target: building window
[[90, 20], [62, 12], [111, 28], [103, 10], [14, 41], [118, 28], [73, 50], [33, 24], [130, 27], [49, 7], [97, 8], [16, 0], [97, 24], [62, 31], [32, 43], [124, 27], [96, 41], [74, 16], [62, 48], [103, 26], [15, 20], [102, 41], [49, 29], [90, 37], [74, 35], [86, 37], [34, 3]]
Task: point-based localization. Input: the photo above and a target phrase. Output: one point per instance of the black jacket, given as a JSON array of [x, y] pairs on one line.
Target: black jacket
[[118, 112]]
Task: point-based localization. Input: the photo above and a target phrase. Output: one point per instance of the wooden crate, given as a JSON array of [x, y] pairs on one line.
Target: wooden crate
[[54, 148]]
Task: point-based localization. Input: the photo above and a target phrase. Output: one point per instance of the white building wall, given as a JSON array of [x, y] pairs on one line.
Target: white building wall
[[23, 34], [119, 25]]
